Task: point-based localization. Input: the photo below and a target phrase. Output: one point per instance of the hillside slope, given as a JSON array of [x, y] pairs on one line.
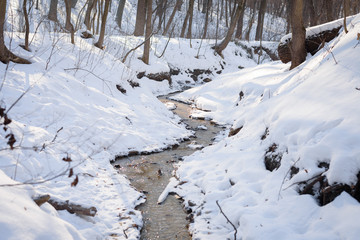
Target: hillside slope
[[299, 133]]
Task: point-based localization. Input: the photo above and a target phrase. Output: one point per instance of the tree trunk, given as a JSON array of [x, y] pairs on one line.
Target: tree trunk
[[53, 10], [27, 26], [146, 55], [182, 34], [312, 15], [260, 24], [68, 24], [329, 10], [221, 46], [177, 4], [87, 21], [73, 3], [251, 21], [240, 23], [100, 42], [191, 13], [140, 18], [5, 54], [346, 12], [209, 3], [120, 12], [297, 44]]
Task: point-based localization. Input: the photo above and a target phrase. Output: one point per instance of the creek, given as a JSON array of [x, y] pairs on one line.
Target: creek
[[150, 174]]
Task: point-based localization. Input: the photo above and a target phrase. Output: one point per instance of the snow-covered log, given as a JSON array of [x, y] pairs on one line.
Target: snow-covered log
[[316, 36]]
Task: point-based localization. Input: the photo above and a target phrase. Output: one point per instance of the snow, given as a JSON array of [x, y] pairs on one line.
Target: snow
[[71, 108], [311, 113]]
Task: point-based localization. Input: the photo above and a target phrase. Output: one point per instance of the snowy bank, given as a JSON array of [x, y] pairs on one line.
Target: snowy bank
[[304, 122]]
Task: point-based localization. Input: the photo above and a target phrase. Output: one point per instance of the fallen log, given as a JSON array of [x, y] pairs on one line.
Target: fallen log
[[65, 205], [73, 208]]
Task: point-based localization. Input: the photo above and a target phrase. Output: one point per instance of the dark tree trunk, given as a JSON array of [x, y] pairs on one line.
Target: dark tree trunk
[[68, 24], [100, 42], [221, 46], [53, 10], [346, 12], [120, 12], [5, 54], [209, 3], [251, 21], [140, 18], [240, 23], [182, 34], [73, 3], [148, 31], [176, 7], [260, 24], [89, 8], [297, 44], [27, 26], [329, 10], [191, 13]]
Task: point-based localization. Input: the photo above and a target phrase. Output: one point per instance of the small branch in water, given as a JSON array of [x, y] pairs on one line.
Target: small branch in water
[[217, 203]]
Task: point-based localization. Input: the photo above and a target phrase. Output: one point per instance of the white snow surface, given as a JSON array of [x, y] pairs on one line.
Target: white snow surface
[[312, 113]]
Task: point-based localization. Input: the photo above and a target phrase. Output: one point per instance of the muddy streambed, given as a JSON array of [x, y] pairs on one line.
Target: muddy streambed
[[151, 173]]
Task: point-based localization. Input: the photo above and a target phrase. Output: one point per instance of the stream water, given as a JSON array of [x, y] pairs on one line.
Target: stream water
[[151, 173]]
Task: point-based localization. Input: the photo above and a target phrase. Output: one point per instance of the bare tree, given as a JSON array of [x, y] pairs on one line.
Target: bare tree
[[239, 27], [148, 31], [52, 15], [5, 54], [120, 12], [223, 44], [140, 18], [346, 12], [297, 43], [68, 24], [191, 13], [90, 6], [208, 7], [27, 25], [100, 42], [176, 7], [260, 23]]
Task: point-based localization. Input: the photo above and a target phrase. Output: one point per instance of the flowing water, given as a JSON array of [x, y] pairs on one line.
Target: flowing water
[[151, 173]]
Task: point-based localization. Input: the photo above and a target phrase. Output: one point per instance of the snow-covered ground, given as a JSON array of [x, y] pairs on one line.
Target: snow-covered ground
[[71, 104], [311, 114]]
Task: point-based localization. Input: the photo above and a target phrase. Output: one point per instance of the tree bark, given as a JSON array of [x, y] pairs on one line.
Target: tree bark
[[240, 23], [53, 10], [68, 24], [221, 46], [73, 3], [120, 12], [297, 43], [191, 13], [27, 26], [329, 10], [140, 18], [148, 31], [209, 3], [5, 54], [260, 24], [100, 42], [346, 12], [90, 6], [176, 7], [182, 34]]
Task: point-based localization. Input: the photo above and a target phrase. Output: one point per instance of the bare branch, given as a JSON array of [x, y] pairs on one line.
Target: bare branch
[[217, 203]]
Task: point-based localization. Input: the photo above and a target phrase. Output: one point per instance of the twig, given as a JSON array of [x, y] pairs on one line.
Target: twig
[[283, 181], [56, 134], [217, 203], [17, 100], [133, 49], [104, 80]]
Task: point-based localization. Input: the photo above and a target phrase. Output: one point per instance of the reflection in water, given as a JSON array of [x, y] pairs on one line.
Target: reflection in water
[[151, 173]]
